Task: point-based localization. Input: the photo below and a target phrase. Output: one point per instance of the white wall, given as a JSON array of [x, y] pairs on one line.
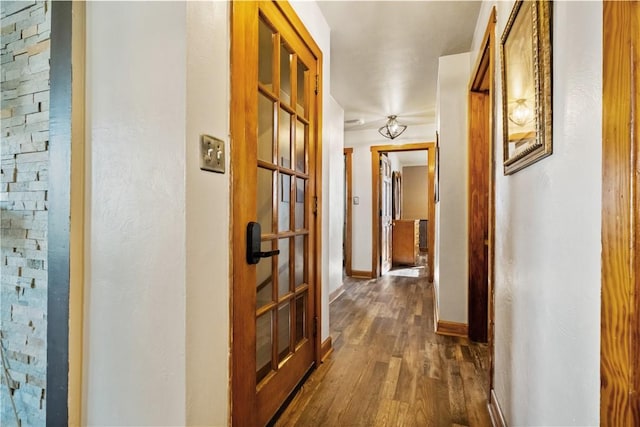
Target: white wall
[[361, 212], [157, 283], [134, 356], [361, 141], [547, 278], [451, 256], [207, 216], [334, 144]]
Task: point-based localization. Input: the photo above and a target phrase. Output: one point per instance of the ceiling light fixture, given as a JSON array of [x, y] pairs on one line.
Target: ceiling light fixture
[[392, 129]]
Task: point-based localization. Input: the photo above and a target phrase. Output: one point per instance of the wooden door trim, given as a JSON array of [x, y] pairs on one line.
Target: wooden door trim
[[78, 179], [376, 150], [244, 74], [483, 82], [620, 318], [348, 176]]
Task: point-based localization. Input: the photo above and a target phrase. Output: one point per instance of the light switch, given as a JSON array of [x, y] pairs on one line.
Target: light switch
[[211, 154], [356, 200]]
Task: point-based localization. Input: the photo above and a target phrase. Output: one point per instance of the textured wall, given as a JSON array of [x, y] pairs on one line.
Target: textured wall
[[451, 256], [134, 359], [334, 143], [547, 252], [24, 54], [207, 208]]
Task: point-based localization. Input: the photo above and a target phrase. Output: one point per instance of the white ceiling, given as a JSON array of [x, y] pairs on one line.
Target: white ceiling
[[384, 55]]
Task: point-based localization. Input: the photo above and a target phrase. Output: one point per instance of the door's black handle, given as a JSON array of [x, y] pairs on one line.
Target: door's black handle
[[253, 244], [267, 254]]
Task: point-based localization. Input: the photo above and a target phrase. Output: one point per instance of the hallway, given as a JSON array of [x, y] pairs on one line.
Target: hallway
[[389, 367]]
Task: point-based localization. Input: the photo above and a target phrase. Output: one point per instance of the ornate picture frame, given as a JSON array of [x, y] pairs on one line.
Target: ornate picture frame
[[526, 89]]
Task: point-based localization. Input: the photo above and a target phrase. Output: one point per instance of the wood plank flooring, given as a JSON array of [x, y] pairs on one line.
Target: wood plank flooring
[[388, 367]]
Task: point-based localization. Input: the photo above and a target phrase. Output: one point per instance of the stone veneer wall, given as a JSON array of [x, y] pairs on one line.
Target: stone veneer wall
[[25, 50]]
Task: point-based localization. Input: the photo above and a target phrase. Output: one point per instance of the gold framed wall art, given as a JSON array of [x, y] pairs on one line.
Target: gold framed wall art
[[526, 85]]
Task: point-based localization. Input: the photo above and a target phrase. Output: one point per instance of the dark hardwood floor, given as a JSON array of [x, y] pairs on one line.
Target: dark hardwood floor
[[388, 367]]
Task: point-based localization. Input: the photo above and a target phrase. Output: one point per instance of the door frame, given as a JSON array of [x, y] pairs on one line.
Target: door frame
[[376, 150], [482, 98], [348, 200], [242, 388], [482, 84], [620, 317]]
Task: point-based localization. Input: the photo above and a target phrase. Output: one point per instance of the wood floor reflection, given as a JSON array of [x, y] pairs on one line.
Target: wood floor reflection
[[388, 367]]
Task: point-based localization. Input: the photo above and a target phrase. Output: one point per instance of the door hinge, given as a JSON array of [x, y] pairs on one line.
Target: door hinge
[[315, 326], [315, 205], [317, 83]]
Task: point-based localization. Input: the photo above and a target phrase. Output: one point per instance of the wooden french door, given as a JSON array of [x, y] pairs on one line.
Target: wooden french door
[[275, 130], [386, 224]]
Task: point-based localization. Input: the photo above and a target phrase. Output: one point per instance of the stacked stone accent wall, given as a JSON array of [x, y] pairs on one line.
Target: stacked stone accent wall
[[24, 64]]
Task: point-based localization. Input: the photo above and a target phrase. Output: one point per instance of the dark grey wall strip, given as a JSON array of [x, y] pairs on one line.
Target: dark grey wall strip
[[59, 214]]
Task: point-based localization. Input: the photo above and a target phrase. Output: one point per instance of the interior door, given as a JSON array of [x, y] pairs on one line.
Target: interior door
[[274, 133], [480, 195], [386, 226]]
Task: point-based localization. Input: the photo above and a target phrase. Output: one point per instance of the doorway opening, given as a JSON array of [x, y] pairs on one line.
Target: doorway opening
[[405, 212], [387, 210]]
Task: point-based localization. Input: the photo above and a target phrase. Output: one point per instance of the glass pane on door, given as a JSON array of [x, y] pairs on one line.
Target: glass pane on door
[[265, 200], [301, 146], [300, 255], [263, 345], [285, 74], [300, 197], [265, 128], [264, 278], [301, 102], [283, 267], [284, 330], [301, 317], [265, 55], [284, 207], [284, 139]]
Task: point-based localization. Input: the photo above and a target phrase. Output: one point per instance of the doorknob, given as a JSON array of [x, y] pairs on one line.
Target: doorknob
[[253, 244]]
